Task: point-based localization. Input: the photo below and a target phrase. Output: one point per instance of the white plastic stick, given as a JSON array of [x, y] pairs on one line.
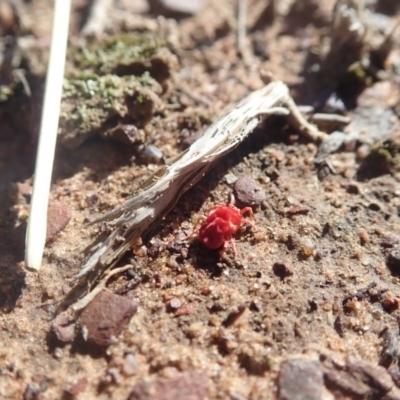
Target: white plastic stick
[[37, 224]]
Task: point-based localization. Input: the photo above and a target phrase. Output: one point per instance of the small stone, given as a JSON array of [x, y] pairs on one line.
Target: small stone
[[353, 188], [78, 386], [234, 315], [307, 248], [193, 386], [58, 353], [106, 316], [255, 305], [230, 179], [149, 154], [339, 326], [393, 261], [130, 365], [58, 216], [300, 379], [31, 392], [175, 303], [389, 241], [390, 349], [391, 304], [64, 328], [248, 193], [282, 270]]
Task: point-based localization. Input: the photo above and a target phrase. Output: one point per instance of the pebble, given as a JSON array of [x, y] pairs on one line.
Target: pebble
[[393, 261], [58, 216], [175, 303], [149, 154], [282, 270], [307, 247], [78, 386], [64, 328], [130, 365], [105, 317], [191, 386], [230, 179], [248, 192], [300, 379], [31, 392]]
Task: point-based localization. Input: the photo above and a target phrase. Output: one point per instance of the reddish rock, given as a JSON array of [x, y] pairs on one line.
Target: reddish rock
[[77, 387], [58, 216], [193, 386], [105, 317], [247, 192], [64, 328]]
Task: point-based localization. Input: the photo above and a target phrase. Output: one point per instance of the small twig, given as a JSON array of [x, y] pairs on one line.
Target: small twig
[[241, 26], [329, 122], [37, 223], [99, 11], [196, 97], [297, 120], [332, 118]]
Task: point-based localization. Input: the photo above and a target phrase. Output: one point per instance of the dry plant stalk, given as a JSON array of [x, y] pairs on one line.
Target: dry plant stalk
[[144, 211]]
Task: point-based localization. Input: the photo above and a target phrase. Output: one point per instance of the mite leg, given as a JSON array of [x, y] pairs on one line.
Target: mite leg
[[225, 246]]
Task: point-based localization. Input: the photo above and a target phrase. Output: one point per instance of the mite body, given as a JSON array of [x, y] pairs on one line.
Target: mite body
[[221, 224]]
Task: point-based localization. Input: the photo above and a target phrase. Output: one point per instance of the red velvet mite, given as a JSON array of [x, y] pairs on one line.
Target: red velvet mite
[[221, 223]]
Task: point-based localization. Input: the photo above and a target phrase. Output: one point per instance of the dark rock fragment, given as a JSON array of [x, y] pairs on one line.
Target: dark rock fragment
[[105, 317], [339, 326], [390, 348], [393, 261], [282, 270]]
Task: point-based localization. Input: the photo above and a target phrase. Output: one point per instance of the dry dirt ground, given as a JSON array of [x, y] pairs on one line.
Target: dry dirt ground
[[310, 306]]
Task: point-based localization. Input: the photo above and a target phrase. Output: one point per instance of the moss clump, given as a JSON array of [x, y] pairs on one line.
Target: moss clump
[[382, 159], [111, 81], [117, 54], [95, 104]]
